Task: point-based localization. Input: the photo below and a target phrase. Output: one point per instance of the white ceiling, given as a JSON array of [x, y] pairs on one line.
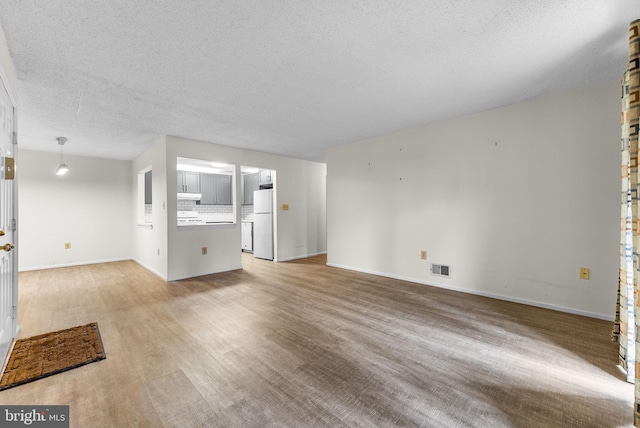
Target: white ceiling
[[292, 77]]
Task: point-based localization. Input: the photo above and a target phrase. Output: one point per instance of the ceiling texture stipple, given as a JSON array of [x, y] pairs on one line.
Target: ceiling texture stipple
[[292, 78]]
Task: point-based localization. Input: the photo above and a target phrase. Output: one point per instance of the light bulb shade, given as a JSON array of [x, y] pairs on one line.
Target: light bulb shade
[[62, 169]]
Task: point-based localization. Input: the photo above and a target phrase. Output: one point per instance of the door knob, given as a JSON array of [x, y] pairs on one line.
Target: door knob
[[6, 247]]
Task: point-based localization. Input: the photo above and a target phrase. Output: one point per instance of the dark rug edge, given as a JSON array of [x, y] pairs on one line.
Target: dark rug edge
[[84, 363]]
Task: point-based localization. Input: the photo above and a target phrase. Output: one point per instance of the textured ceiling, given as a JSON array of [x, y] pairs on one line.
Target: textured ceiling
[[290, 77]]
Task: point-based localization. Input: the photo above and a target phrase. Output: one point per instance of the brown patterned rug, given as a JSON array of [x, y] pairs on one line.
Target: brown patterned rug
[[50, 353]]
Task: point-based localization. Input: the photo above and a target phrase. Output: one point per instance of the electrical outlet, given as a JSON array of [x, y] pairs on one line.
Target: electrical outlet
[[423, 255], [67, 245], [585, 273], [204, 251]]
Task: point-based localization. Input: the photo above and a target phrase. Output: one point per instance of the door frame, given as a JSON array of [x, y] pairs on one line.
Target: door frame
[[14, 295]]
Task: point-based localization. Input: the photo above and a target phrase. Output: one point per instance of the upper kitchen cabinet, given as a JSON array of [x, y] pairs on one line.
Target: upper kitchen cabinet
[[208, 189], [188, 182], [250, 183], [266, 178], [223, 189], [216, 189]]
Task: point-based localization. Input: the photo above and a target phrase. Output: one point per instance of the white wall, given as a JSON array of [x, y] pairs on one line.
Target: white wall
[[301, 230], [90, 207], [150, 244], [515, 200]]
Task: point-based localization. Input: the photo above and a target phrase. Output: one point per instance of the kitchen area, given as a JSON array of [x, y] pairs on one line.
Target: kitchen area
[[257, 211], [205, 193]]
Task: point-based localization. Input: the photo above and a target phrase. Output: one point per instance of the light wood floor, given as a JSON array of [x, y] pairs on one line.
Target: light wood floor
[[300, 344]]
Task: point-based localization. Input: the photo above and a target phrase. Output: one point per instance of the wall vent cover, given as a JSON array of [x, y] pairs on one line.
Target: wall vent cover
[[440, 270]]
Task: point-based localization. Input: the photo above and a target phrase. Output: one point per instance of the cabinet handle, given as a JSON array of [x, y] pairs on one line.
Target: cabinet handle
[[6, 247]]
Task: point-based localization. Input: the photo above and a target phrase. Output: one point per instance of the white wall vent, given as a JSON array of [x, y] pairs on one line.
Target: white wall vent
[[440, 270]]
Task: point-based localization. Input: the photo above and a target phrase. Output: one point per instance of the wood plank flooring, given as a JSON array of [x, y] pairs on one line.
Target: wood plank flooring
[[300, 344]]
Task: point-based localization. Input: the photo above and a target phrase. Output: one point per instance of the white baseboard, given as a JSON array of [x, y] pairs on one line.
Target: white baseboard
[[481, 293], [300, 257], [61, 265], [152, 270], [196, 274], [147, 267]]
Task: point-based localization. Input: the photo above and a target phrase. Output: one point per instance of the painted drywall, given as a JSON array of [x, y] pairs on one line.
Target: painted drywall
[[89, 207], [515, 200], [7, 71], [150, 242], [300, 231], [303, 224]]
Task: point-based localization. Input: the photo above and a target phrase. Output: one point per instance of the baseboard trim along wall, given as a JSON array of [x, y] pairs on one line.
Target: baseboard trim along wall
[[150, 269], [203, 273], [300, 257], [61, 265], [480, 293]]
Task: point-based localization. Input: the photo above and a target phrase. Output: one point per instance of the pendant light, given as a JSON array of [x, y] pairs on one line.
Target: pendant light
[[63, 168]]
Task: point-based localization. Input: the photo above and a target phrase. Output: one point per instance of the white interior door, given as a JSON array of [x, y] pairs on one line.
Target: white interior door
[[8, 229]]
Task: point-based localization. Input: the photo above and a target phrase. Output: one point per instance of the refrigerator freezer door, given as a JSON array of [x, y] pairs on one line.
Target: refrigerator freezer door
[[263, 201], [263, 236]]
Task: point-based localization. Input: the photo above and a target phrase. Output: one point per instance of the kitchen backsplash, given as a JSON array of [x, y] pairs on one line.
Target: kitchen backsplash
[[247, 212], [208, 212]]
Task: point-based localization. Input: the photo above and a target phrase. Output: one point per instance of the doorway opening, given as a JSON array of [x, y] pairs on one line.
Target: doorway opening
[[259, 235]]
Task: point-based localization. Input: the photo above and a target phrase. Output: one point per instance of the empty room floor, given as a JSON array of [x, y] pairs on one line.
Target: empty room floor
[[300, 344]]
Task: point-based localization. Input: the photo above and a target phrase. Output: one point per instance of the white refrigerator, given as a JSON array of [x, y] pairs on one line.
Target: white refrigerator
[[263, 224]]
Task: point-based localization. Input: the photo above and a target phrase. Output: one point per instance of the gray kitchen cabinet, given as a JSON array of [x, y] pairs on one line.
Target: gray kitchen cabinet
[[188, 182], [223, 189], [250, 183], [266, 177], [147, 188], [208, 187], [216, 189]]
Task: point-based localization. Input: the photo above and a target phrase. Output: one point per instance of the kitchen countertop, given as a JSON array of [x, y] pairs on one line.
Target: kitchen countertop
[[205, 226], [200, 223]]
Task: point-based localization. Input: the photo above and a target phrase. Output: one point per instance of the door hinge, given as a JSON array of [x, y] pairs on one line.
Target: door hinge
[[14, 225], [14, 136], [14, 312]]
